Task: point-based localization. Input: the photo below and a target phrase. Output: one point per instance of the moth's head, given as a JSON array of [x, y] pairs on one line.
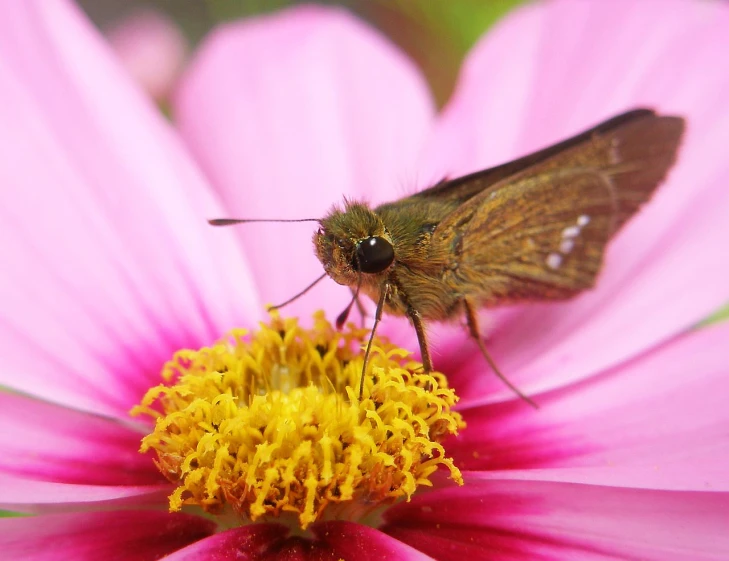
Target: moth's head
[[353, 241]]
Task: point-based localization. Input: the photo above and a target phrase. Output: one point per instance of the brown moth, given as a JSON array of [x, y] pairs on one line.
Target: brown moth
[[533, 229]]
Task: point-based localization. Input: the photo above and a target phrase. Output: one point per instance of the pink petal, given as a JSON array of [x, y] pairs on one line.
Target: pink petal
[[250, 542], [551, 70], [661, 419], [42, 441], [108, 264], [289, 113], [119, 535], [20, 494], [356, 541], [333, 540], [498, 520], [536, 78], [681, 475], [151, 48]]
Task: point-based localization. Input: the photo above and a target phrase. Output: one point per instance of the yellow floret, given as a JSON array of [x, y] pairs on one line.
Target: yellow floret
[[271, 422]]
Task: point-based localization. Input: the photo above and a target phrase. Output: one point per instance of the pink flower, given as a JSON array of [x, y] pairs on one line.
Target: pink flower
[[152, 49], [109, 268]]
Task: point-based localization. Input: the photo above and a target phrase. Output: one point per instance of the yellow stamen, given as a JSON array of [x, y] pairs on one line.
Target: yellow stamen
[[270, 423]]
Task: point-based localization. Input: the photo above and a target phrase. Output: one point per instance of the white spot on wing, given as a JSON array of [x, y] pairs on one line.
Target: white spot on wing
[[566, 246], [571, 232], [554, 260]]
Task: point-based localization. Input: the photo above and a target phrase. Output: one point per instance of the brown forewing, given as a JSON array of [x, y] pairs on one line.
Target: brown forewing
[[540, 233], [563, 153], [540, 237]]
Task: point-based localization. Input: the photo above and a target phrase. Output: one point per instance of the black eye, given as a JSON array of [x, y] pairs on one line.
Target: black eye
[[374, 255]]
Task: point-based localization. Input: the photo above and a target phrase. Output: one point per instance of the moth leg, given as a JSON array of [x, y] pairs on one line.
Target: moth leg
[[417, 322], [474, 332], [378, 317], [342, 317]]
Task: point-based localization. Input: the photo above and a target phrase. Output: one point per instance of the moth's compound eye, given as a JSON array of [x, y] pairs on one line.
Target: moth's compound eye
[[373, 255]]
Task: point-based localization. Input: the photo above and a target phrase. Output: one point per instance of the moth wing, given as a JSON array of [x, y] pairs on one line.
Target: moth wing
[[541, 233], [539, 238], [631, 125]]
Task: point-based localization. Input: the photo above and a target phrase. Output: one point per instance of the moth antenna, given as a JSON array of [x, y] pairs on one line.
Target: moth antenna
[[307, 289], [232, 221]]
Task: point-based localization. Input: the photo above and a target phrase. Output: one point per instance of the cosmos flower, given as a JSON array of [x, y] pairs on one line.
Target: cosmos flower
[[109, 270], [151, 48]]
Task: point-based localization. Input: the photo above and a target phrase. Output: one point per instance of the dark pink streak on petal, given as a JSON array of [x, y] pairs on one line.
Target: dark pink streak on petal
[[332, 541], [91, 536], [502, 436], [356, 541], [256, 542], [666, 409], [33, 496], [543, 520], [48, 442], [247, 543], [454, 524]]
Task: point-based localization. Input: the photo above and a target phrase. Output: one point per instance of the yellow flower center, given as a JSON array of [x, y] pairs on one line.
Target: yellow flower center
[[270, 422]]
